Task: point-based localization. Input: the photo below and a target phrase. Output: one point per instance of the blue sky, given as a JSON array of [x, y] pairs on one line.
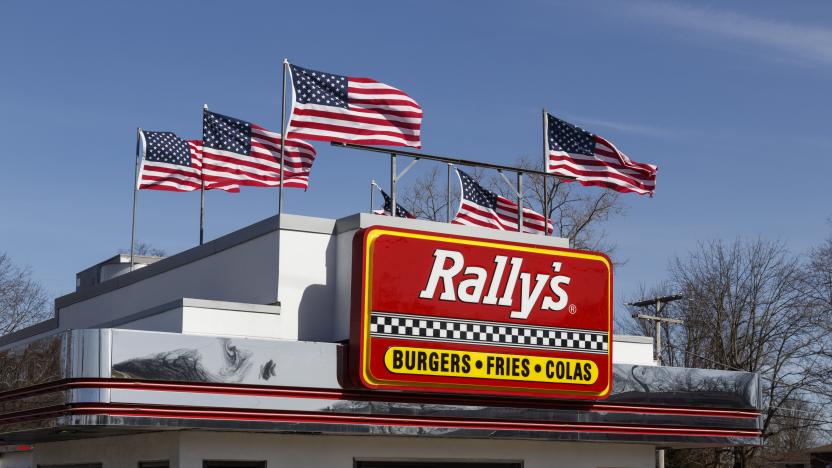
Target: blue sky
[[731, 100]]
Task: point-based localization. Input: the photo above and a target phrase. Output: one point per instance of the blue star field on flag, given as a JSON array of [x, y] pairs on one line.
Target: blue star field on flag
[[563, 136], [226, 133], [476, 193], [166, 147], [316, 87], [388, 207]]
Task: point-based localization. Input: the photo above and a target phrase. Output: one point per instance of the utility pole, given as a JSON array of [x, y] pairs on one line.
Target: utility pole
[[658, 303]]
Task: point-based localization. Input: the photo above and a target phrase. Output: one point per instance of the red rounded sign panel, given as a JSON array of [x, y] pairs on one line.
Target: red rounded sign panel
[[445, 313]]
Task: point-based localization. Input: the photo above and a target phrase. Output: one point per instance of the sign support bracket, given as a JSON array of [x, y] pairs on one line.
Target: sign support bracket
[[518, 192], [395, 176]]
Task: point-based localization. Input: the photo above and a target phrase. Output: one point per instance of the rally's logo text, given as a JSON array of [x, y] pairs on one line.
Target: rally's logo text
[[471, 284]]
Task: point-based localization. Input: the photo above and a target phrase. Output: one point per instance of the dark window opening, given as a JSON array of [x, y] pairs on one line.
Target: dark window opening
[[435, 464], [73, 465], [232, 464], [155, 464]]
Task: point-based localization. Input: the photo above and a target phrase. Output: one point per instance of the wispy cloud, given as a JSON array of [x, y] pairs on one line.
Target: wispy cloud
[[592, 124], [793, 40]]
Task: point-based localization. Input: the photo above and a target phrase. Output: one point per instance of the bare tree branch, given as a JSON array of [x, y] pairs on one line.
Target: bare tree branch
[[143, 248], [746, 307], [23, 301]]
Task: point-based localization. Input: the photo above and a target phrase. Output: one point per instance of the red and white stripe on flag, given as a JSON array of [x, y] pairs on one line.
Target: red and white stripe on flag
[[158, 175], [196, 160], [607, 168], [504, 217], [331, 107], [261, 168], [591, 160], [482, 207]]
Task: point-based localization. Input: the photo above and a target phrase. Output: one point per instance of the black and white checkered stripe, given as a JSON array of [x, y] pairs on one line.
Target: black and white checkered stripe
[[418, 327]]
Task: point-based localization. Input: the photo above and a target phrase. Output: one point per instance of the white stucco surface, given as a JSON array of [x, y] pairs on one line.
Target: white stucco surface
[[636, 350], [243, 273], [189, 448], [17, 460], [113, 452]]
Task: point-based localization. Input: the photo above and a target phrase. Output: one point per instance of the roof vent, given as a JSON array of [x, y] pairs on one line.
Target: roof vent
[[110, 268]]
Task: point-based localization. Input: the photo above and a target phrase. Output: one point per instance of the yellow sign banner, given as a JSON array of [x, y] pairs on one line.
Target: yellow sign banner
[[479, 365]]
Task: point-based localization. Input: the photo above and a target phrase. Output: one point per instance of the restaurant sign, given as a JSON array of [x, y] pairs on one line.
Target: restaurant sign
[[445, 313]]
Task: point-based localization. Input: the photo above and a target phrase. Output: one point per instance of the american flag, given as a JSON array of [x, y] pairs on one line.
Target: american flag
[[332, 107], [482, 207], [243, 153], [171, 163], [591, 160], [388, 207]]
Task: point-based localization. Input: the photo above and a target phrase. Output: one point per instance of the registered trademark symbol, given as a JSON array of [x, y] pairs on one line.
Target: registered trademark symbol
[[573, 309]]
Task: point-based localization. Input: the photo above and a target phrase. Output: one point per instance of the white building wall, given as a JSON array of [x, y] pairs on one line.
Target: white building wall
[[17, 460], [168, 321], [307, 284], [113, 452], [637, 350], [219, 318], [243, 273], [292, 451], [189, 448]]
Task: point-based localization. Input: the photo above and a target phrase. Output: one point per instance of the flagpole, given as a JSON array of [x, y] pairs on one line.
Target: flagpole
[[135, 198], [448, 208], [372, 193], [285, 65], [520, 202], [202, 195], [202, 212], [393, 177], [282, 140], [545, 179], [545, 208]]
